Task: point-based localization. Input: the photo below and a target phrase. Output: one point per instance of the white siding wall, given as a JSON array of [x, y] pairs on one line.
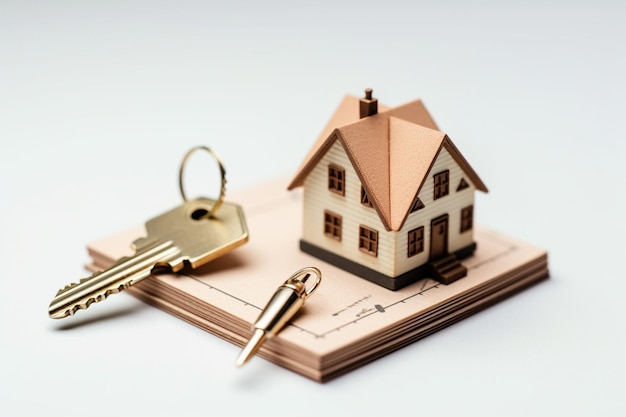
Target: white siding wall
[[450, 204], [318, 198], [392, 247]]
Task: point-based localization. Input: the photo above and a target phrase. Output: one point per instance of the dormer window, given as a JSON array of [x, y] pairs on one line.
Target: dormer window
[[417, 204], [365, 200], [462, 185], [336, 179], [441, 184]]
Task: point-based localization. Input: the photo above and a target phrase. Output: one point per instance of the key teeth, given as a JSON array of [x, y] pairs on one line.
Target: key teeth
[[96, 299], [122, 274], [73, 310], [73, 284]]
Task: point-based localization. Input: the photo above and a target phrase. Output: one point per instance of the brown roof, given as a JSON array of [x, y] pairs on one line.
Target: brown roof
[[391, 152]]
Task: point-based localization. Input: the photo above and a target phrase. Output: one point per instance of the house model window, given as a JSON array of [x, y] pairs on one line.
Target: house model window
[[368, 240], [417, 204], [462, 185], [415, 241], [442, 184], [398, 162], [336, 179], [467, 218], [332, 225], [365, 200]]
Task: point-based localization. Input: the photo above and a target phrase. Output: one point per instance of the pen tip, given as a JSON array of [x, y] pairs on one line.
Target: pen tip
[[243, 357], [241, 361], [255, 342]]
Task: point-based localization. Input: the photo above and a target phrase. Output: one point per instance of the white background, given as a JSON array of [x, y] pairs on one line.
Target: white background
[[99, 101]]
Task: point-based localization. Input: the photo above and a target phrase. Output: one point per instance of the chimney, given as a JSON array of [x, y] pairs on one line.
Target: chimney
[[368, 106]]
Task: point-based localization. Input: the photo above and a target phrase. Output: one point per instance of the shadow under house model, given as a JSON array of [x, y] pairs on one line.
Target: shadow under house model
[[387, 196]]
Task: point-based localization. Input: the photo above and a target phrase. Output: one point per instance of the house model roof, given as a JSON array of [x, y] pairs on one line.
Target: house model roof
[[392, 152]]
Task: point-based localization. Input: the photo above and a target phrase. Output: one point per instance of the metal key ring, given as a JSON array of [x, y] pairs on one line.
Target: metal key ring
[[307, 272], [220, 199]]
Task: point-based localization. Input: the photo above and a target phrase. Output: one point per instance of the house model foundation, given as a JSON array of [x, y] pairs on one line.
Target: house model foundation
[[387, 196]]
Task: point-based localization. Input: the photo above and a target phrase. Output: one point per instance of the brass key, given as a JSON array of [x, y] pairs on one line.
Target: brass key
[[191, 234]]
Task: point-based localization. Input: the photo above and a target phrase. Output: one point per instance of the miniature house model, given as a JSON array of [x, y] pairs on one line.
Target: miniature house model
[[387, 196]]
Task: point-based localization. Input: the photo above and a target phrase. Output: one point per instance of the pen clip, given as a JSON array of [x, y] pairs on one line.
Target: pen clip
[[302, 276]]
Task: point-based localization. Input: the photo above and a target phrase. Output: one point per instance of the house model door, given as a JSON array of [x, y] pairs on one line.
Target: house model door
[[439, 237]]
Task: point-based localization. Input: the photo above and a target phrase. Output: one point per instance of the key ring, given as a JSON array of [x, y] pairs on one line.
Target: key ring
[[215, 156], [307, 272]]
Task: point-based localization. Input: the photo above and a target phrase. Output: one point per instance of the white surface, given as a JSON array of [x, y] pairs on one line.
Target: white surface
[[99, 102]]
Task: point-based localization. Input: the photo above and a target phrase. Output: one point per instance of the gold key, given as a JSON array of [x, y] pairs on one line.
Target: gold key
[[192, 234]]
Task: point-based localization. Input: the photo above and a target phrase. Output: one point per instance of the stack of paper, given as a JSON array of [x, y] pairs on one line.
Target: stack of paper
[[349, 321]]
